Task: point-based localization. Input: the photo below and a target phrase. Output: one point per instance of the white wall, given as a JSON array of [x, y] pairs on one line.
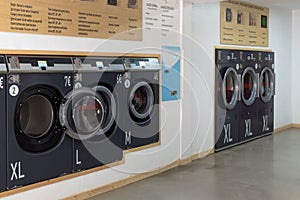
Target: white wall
[[200, 35], [296, 66], [281, 44], [204, 28], [186, 51]]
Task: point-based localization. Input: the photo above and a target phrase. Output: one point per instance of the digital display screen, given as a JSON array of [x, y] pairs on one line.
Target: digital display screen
[[42, 64], [142, 63], [100, 64]]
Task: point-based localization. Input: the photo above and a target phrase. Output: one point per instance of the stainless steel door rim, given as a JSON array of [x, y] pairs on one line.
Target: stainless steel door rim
[[141, 100], [235, 87]]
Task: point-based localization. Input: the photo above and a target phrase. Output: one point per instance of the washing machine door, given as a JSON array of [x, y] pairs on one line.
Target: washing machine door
[[249, 86], [83, 113], [230, 88], [37, 126], [267, 85], [141, 101], [110, 109]]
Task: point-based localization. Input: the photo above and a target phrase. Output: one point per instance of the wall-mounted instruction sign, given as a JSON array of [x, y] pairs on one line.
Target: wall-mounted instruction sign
[[82, 18], [244, 24], [162, 22]]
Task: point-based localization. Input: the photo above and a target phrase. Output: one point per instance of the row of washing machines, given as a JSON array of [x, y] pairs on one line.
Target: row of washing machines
[[60, 115], [245, 92]]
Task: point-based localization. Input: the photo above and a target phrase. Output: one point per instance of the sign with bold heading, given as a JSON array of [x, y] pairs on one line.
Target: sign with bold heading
[[244, 24], [119, 19]]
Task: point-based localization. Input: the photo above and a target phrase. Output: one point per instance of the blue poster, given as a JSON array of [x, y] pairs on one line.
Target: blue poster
[[170, 73]]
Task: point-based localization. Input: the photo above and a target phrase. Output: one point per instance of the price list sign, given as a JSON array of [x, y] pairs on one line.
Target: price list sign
[[120, 19], [244, 24]]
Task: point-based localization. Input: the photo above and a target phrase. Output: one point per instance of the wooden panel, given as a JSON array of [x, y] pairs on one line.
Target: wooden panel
[[81, 18], [73, 53], [242, 48], [244, 24]]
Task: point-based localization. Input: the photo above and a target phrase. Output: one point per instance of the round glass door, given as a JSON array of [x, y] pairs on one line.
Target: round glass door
[[266, 85], [83, 113], [36, 116], [36, 125], [249, 85], [141, 101], [109, 108], [230, 88]]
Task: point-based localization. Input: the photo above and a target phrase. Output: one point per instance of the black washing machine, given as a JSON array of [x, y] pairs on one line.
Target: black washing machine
[[248, 123], [266, 93], [101, 141], [227, 98], [141, 102], [37, 147], [3, 72]]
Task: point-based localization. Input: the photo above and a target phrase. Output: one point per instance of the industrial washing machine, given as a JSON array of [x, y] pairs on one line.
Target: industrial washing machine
[[266, 93], [37, 147], [141, 103], [228, 77], [3, 72], [100, 117], [248, 123]]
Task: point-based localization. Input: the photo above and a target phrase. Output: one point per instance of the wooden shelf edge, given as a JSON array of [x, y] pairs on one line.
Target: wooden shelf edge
[[73, 53], [142, 148], [243, 48]]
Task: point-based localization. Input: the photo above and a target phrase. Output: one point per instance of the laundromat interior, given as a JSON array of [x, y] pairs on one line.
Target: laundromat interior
[[149, 99]]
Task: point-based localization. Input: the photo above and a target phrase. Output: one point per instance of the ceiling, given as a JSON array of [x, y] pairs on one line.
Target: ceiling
[[291, 4]]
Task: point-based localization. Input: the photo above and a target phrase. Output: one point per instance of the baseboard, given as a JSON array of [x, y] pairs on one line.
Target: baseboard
[[283, 128], [185, 161], [197, 156], [133, 179], [295, 125], [121, 183], [203, 154]]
